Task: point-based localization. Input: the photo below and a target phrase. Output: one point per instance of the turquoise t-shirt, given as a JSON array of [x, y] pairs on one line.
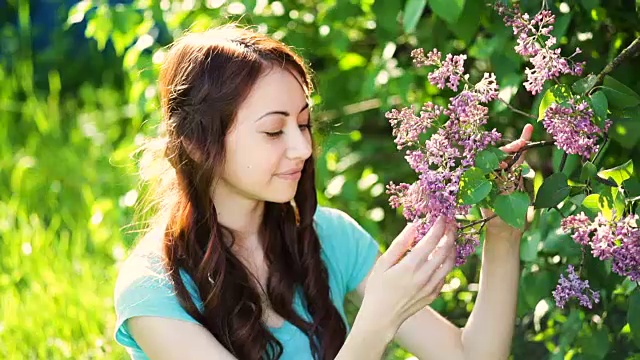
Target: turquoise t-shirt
[[143, 289]]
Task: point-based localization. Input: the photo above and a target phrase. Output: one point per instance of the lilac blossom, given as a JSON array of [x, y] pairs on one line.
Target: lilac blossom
[[407, 126], [572, 127], [442, 159], [487, 88], [547, 62], [573, 287], [451, 68], [609, 239]]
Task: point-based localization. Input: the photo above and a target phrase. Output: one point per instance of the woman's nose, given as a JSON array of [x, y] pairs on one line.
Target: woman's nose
[[299, 146]]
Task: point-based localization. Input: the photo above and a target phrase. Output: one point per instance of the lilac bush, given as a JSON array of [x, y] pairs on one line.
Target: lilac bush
[[453, 177]]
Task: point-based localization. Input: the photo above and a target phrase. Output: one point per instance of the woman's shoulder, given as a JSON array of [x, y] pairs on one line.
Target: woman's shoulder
[[328, 218], [348, 248], [144, 272]]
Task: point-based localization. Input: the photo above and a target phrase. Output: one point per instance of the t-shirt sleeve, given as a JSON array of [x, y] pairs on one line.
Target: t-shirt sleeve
[[144, 289], [350, 248]]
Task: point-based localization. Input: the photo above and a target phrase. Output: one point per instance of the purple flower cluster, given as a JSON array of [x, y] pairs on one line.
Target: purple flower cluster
[[443, 158], [573, 287], [609, 239], [451, 68], [572, 127], [407, 127], [547, 63]]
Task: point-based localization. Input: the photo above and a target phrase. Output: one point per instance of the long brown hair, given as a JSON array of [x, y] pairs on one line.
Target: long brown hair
[[204, 79]]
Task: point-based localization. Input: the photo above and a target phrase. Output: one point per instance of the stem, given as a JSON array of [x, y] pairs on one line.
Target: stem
[[601, 150], [607, 182], [485, 220], [581, 261], [563, 161], [632, 50], [516, 110], [544, 5], [532, 145], [558, 210]]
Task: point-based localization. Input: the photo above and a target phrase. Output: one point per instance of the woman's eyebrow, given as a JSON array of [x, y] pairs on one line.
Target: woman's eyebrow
[[283, 113]]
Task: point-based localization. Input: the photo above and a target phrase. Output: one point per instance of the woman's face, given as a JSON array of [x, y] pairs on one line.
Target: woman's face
[[270, 140]]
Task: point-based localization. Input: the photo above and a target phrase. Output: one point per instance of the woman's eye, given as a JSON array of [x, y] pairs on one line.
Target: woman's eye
[[275, 134]]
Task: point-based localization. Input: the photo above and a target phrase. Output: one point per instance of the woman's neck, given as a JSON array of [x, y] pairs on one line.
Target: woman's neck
[[237, 212]]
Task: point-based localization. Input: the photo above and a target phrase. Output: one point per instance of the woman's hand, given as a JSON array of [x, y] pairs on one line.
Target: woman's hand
[[398, 286], [497, 224]]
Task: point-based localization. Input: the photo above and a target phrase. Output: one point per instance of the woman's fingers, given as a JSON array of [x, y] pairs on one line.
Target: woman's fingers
[[514, 146], [423, 249], [436, 282], [399, 246]]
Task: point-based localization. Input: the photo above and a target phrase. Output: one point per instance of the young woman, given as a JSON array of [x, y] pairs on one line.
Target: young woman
[[244, 264]]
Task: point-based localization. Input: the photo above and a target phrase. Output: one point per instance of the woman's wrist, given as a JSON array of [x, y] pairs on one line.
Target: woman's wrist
[[369, 336]]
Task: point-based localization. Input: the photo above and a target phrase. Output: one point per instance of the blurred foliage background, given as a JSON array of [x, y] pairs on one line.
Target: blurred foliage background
[[79, 94]]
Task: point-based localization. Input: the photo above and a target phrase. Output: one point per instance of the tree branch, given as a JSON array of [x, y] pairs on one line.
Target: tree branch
[[632, 50]]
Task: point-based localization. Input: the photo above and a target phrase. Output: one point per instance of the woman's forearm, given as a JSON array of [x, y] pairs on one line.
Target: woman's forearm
[[368, 338], [489, 330]]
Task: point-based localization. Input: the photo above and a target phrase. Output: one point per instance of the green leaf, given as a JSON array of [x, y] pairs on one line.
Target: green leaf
[[512, 208], [468, 24], [448, 10], [558, 94], [561, 25], [588, 170], [553, 190], [474, 187], [633, 316], [596, 344], [590, 4], [600, 105], [529, 246], [487, 161], [619, 173], [583, 85], [570, 328], [618, 99], [561, 243], [609, 199], [572, 163], [387, 26], [412, 13], [626, 126], [536, 286], [618, 86], [99, 26], [631, 187], [351, 60]]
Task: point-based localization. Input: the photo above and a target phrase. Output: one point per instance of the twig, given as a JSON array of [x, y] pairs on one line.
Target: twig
[[632, 50], [560, 211], [563, 161], [485, 220], [607, 182], [532, 145], [516, 110], [601, 149], [581, 261]]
